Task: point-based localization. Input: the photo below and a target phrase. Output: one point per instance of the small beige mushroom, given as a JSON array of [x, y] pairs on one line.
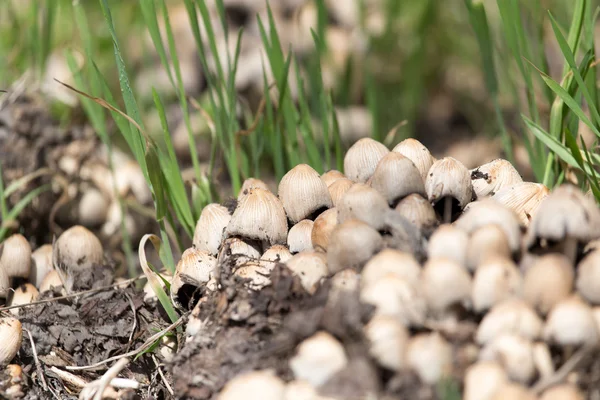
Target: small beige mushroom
[[548, 281], [566, 217], [210, 228], [362, 158], [564, 391], [194, 274], [364, 203], [338, 189], [496, 280], [41, 264], [571, 322], [15, 256], [256, 274], [24, 294], [318, 358], [514, 391], [445, 284], [254, 385], [276, 253], [390, 261], [514, 353], [489, 178], [322, 229], [483, 380], [51, 281], [430, 356], [588, 277], [92, 207], [510, 316], [331, 176], [351, 245], [252, 183], [4, 284], [388, 340], [299, 236], [11, 335], [449, 187], [523, 198], [386, 180], [259, 215], [417, 153], [449, 242], [310, 267], [486, 242], [419, 211], [303, 193], [237, 251]]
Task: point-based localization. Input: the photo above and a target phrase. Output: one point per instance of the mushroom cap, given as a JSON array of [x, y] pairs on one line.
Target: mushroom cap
[[259, 215], [310, 267], [447, 241], [11, 335], [299, 236], [548, 281], [391, 261], [388, 340], [514, 353], [418, 211], [210, 228], [364, 203], [445, 283], [4, 284], [566, 213], [417, 153], [514, 391], [338, 189], [448, 177], [488, 178], [276, 253], [303, 193], [41, 264], [430, 356], [485, 242], [318, 358], [509, 316], [483, 379], [588, 277], [254, 385], [331, 176], [396, 177], [257, 274], [252, 183], [523, 198], [351, 245], [237, 251], [564, 391], [15, 256], [362, 158], [77, 248], [496, 280], [50, 281], [24, 294], [486, 212], [571, 322], [322, 228], [196, 269]]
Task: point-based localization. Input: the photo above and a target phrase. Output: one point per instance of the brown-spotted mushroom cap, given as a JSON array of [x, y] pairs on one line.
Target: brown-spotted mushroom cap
[[195, 273], [523, 198], [488, 178]]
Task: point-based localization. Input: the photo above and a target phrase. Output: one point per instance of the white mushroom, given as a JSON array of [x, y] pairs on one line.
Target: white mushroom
[[303, 193], [210, 228], [318, 358], [362, 158]]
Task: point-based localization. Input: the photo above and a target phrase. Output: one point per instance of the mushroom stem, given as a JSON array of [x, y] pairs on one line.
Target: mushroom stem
[[447, 209], [570, 248]]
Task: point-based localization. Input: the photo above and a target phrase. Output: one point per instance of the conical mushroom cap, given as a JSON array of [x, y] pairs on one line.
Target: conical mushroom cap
[[351, 245], [338, 189], [417, 153], [362, 158], [195, 270], [493, 176], [449, 178], [11, 335], [77, 248], [565, 213], [259, 215], [41, 264], [15, 256], [397, 177], [322, 228], [210, 227], [418, 211], [364, 203], [252, 183], [523, 198], [303, 193], [331, 176]]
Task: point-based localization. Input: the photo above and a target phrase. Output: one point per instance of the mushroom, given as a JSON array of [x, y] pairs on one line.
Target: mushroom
[[388, 340], [571, 322], [514, 391], [588, 277], [238, 252], [566, 217], [4, 284], [419, 212], [548, 281], [210, 228], [15, 256], [449, 242], [259, 215], [300, 390], [254, 385], [338, 189], [386, 178], [390, 261], [514, 353], [252, 183], [564, 391], [488, 178], [276, 253], [510, 316], [483, 380], [322, 229], [332, 176], [256, 274], [362, 158], [417, 153], [303, 194], [92, 207], [496, 280], [11, 335], [445, 284], [318, 358], [24, 294], [351, 245], [364, 203], [299, 236], [194, 274], [41, 264], [52, 281], [448, 187], [310, 267], [523, 198], [429, 355], [486, 242]]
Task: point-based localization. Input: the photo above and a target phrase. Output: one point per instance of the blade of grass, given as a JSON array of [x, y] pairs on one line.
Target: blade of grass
[[14, 212]]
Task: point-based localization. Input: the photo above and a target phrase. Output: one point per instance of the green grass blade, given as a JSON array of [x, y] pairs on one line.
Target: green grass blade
[[14, 212]]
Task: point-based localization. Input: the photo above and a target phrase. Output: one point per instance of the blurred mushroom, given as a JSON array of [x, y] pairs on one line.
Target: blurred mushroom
[[254, 385], [310, 267], [386, 178], [388, 340], [510, 316], [362, 158], [445, 284], [15, 256], [513, 391], [299, 236], [564, 391], [588, 277], [210, 228], [11, 335], [483, 380], [448, 187], [489, 178], [318, 358], [486, 242], [449, 242], [364, 203], [322, 229], [390, 261], [338, 189], [547, 282], [514, 353], [41, 264], [303, 194], [430, 356], [419, 212], [571, 323], [351, 245], [523, 198], [417, 153], [496, 280]]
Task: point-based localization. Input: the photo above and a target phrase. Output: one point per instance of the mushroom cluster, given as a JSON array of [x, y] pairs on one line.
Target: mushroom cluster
[[25, 275], [472, 275]]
